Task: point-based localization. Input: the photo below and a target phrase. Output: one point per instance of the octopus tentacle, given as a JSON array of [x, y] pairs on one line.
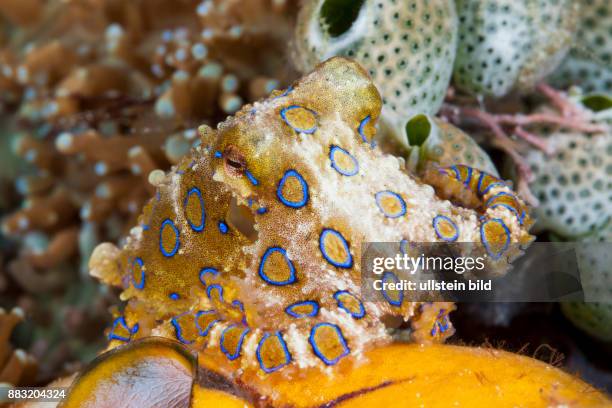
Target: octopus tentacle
[[504, 219]]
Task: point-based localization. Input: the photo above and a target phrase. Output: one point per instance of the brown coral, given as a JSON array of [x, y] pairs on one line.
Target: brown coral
[[16, 366], [96, 95]]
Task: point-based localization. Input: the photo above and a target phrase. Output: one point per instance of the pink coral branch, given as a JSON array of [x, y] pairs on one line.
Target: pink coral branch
[[544, 118], [567, 108], [503, 141], [534, 140], [569, 116]]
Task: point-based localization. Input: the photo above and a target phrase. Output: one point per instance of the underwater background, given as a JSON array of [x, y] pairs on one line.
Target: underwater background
[[99, 98]]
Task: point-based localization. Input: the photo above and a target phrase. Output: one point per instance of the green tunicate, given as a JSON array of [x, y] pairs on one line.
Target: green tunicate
[[338, 16], [417, 130], [598, 102]]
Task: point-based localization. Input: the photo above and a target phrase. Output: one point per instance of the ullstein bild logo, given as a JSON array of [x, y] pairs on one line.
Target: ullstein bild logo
[[547, 272]]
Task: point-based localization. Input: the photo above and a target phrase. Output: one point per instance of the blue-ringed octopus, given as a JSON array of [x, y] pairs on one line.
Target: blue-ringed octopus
[[250, 251]]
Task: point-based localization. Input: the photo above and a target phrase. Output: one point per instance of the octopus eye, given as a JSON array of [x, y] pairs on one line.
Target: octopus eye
[[234, 161]]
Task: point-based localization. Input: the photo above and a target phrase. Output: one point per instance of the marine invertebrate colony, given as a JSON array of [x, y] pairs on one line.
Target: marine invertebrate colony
[[575, 191], [285, 292], [594, 258], [589, 63], [506, 45], [573, 185]]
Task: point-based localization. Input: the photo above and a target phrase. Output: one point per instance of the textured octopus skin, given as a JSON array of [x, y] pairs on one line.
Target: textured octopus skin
[[303, 166]]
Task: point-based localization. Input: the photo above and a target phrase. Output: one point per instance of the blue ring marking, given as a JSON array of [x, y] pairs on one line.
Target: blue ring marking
[[485, 242], [360, 129], [285, 349], [391, 301], [444, 327], [480, 181], [120, 321], [204, 332], [285, 92], [205, 271], [262, 210], [223, 228], [346, 309], [219, 289], [291, 279], [283, 114], [378, 197], [435, 222], [178, 330], [315, 309], [520, 218], [169, 222], [500, 194], [218, 154], [196, 191], [438, 326], [490, 186], [236, 354], [238, 304], [318, 352], [251, 177], [141, 284], [468, 178], [348, 263], [303, 184], [403, 246], [250, 202], [174, 296], [332, 150], [457, 173]]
